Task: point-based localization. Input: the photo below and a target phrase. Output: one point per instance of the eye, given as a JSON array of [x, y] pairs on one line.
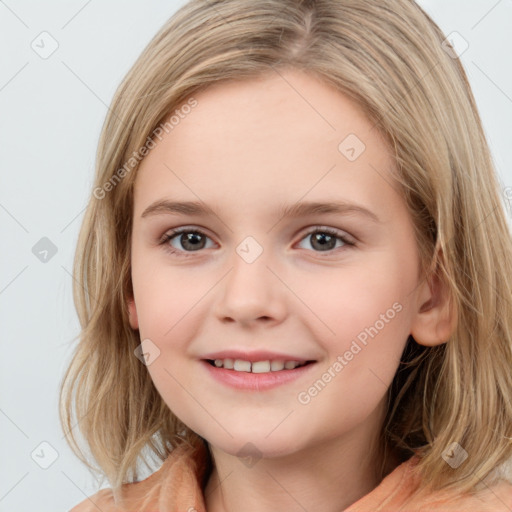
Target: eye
[[184, 241], [190, 240], [325, 239]]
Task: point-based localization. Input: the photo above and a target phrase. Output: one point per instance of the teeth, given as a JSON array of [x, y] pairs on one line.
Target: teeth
[[239, 365], [260, 367], [242, 366], [276, 365]]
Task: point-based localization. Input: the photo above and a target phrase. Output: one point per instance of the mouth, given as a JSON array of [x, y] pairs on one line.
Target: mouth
[[257, 367], [256, 370]]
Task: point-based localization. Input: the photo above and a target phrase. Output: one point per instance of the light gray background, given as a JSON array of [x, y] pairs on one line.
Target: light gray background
[[51, 112]]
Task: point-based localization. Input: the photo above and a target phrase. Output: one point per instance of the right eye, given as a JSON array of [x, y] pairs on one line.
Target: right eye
[[190, 240]]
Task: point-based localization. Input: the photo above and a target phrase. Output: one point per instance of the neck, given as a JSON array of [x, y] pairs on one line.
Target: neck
[[328, 476]]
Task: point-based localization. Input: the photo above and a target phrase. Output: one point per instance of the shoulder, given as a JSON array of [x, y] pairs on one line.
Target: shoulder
[[102, 500], [400, 490], [495, 496], [490, 498], [135, 496], [176, 484]]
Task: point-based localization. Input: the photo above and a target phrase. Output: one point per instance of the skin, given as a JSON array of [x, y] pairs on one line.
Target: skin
[[246, 149]]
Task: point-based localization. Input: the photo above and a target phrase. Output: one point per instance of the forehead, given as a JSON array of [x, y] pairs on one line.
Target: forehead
[[283, 135]]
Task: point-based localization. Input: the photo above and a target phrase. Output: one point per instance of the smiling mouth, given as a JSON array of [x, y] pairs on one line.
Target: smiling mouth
[[268, 366]]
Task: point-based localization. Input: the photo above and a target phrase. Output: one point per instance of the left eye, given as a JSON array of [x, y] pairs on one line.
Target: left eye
[[325, 239], [191, 240]]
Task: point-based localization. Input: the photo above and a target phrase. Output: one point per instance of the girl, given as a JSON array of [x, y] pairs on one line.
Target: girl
[[294, 271]]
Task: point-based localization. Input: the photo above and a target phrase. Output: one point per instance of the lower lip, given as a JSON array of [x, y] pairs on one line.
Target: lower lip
[[255, 381]]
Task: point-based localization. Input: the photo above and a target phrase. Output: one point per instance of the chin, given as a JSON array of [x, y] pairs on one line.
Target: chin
[[256, 446]]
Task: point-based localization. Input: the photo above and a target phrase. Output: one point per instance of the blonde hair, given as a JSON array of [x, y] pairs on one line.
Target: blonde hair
[[388, 57]]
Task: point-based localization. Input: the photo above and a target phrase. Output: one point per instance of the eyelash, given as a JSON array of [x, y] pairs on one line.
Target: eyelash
[[175, 252]]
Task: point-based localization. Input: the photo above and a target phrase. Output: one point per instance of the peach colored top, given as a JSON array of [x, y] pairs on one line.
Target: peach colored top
[[176, 487]]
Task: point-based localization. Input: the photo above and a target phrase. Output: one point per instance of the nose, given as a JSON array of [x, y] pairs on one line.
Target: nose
[[251, 293]]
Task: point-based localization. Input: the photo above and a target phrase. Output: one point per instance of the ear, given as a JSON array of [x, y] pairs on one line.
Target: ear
[[132, 313], [435, 319]]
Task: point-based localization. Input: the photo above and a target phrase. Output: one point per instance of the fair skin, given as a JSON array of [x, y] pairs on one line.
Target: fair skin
[[245, 150]]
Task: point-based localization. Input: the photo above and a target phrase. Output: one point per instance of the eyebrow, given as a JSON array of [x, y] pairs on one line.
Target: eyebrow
[[302, 209]]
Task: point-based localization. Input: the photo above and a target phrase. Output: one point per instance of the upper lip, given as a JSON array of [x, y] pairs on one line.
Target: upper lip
[[255, 355]]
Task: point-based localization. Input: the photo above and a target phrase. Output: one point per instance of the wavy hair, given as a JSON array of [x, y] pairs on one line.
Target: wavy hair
[[390, 58]]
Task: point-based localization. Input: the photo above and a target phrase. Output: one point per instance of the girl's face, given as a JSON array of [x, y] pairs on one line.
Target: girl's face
[[254, 280]]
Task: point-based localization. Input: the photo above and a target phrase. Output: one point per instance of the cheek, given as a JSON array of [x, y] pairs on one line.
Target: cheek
[[352, 299], [365, 322], [363, 354], [163, 295]]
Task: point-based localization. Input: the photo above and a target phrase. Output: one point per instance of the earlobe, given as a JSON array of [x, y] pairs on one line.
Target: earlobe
[[436, 317], [132, 314]]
